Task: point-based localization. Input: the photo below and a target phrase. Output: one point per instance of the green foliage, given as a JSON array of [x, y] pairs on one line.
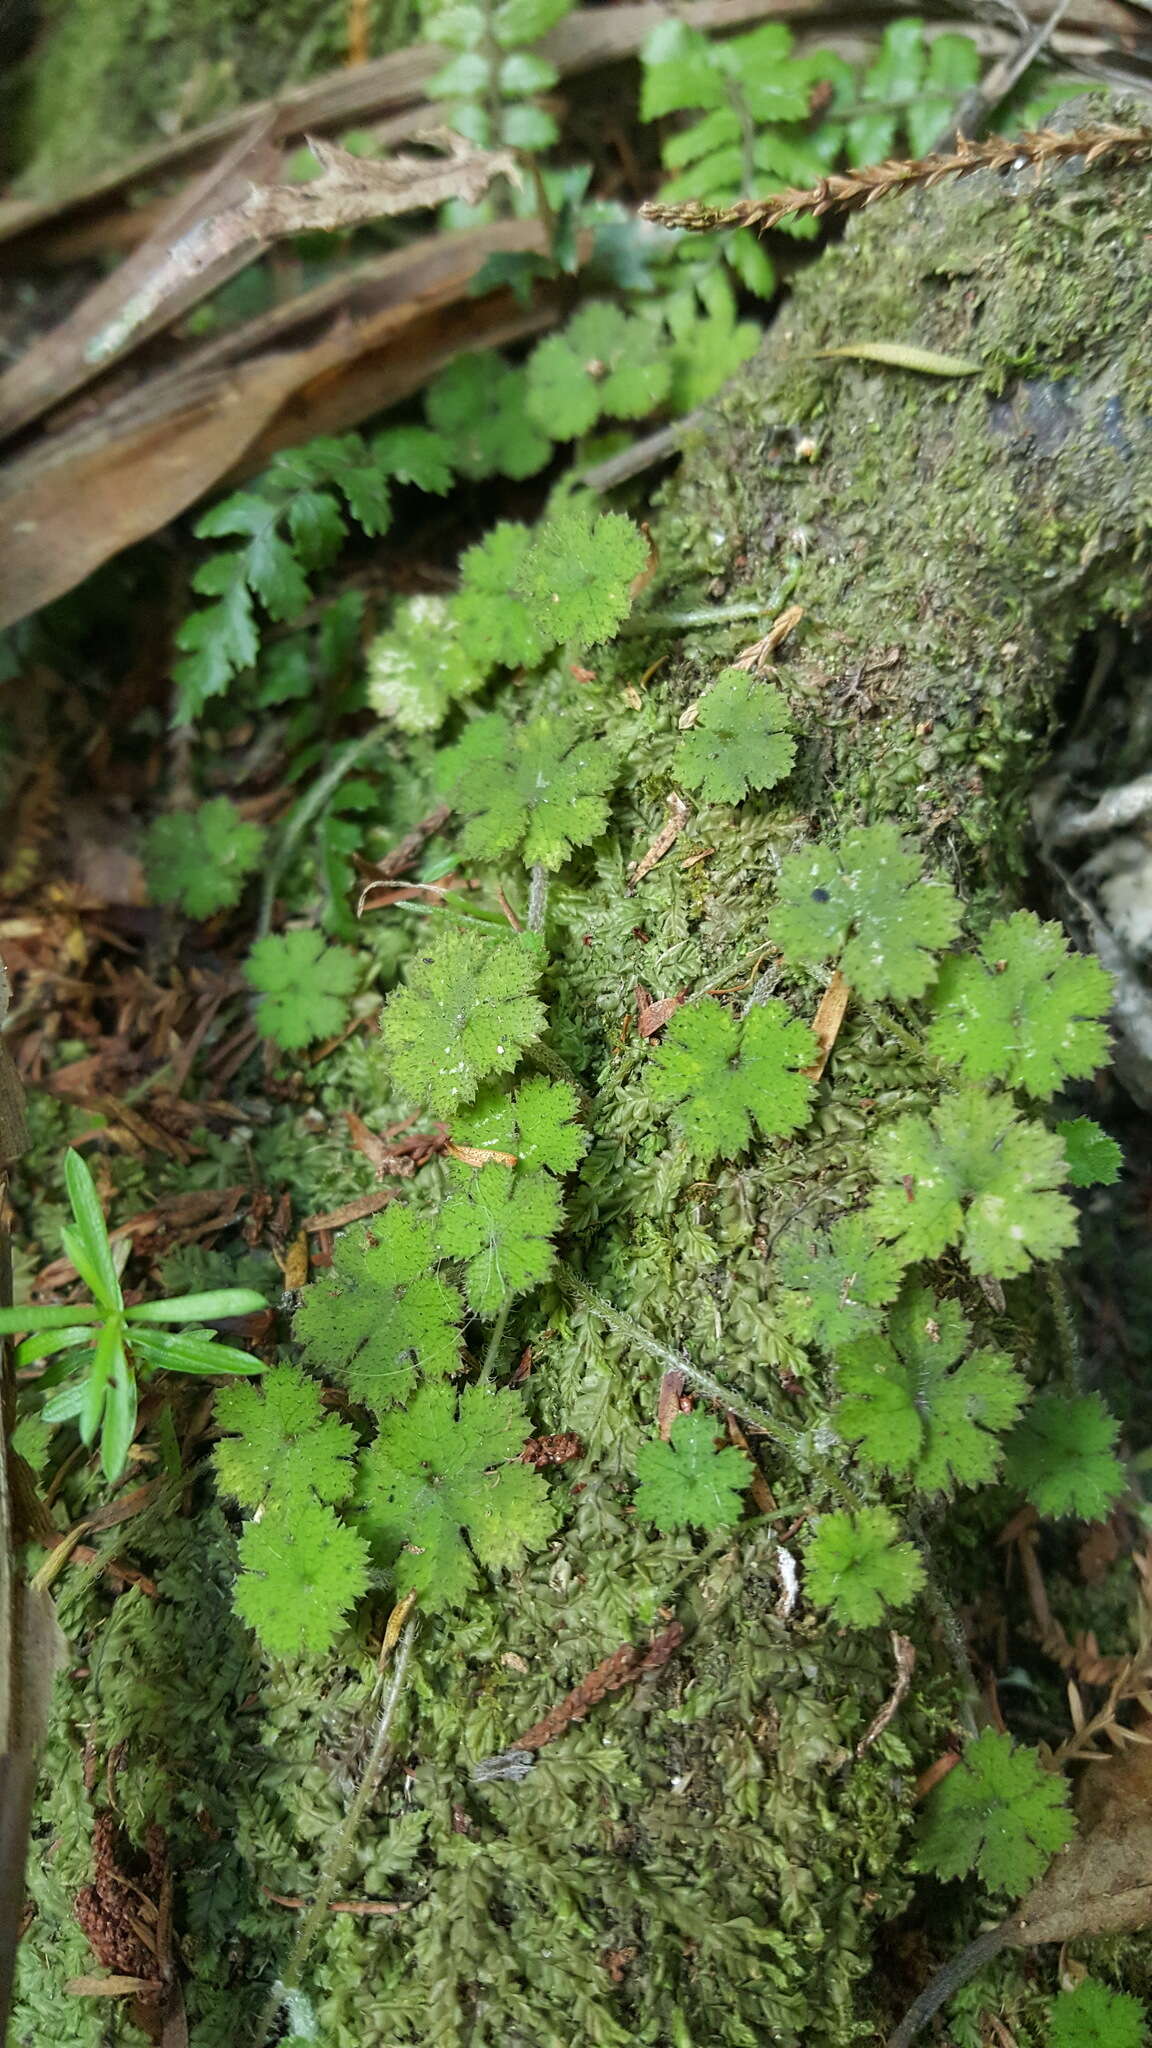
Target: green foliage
[[281, 1446], [304, 987], [501, 1224], [466, 1014], [444, 1489], [1094, 1159], [869, 906], [998, 1813], [977, 1175], [291, 522], [381, 1314], [1026, 1010], [1093, 2016], [491, 82], [201, 859], [539, 789], [495, 621], [115, 1344], [742, 739], [1061, 1456], [536, 1124], [722, 1075], [578, 573], [919, 1404], [857, 1566], [419, 668], [836, 1282], [478, 406], [302, 1572], [689, 1483], [755, 96], [602, 365]]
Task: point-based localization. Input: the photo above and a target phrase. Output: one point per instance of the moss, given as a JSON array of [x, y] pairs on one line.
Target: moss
[[706, 1862], [112, 75]]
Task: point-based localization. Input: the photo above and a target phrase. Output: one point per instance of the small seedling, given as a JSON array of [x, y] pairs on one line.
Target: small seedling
[[116, 1344]]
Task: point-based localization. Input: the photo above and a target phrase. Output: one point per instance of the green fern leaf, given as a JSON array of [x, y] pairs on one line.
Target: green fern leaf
[[304, 987], [856, 1566], [721, 1075], [999, 1813], [201, 859], [414, 455], [742, 740], [536, 1124], [539, 789], [381, 1314], [976, 1175], [443, 1488], [1061, 1457], [689, 1483], [419, 668], [837, 1282], [1093, 2016], [916, 1404], [302, 1573], [501, 1225], [602, 366], [468, 1011], [578, 573], [282, 1447], [869, 906], [1026, 1011], [477, 406]]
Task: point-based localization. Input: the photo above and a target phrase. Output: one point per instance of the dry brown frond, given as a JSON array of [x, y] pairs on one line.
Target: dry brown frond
[[844, 191]]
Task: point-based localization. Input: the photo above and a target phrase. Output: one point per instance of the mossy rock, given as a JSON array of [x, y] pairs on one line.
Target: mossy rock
[[715, 1858], [109, 76]]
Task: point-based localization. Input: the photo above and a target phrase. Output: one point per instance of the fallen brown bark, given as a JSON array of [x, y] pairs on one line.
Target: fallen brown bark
[[111, 479]]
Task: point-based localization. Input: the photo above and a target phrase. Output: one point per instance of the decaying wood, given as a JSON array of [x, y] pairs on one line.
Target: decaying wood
[[104, 482]]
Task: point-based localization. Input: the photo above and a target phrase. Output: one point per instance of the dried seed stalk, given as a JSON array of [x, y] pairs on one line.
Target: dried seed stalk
[[844, 191]]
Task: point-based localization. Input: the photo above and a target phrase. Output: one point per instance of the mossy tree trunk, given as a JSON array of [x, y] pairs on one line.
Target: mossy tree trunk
[[706, 1861]]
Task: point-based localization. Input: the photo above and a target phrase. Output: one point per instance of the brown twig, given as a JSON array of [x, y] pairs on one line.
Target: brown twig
[[623, 1667], [846, 191]]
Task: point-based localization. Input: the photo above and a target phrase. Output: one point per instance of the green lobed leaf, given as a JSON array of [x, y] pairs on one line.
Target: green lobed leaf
[[1062, 1457], [420, 667], [539, 789], [977, 1175], [279, 1443], [1026, 1010], [443, 1487], [999, 1813], [201, 859], [917, 1402], [742, 739], [578, 571], [478, 406], [467, 1012], [602, 365], [536, 1124], [304, 986], [722, 1075], [868, 905], [302, 1573], [381, 1315], [687, 1482], [836, 1282], [857, 1566], [501, 1225], [495, 621], [1094, 1159], [1094, 2016]]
